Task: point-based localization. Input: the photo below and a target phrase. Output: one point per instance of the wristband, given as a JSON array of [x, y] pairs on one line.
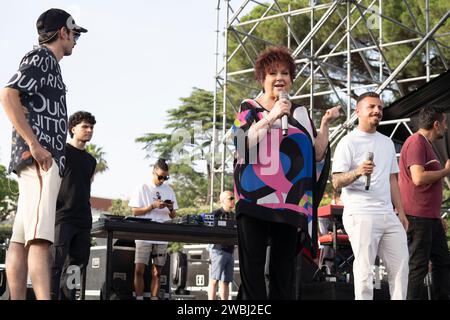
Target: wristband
[[268, 121]]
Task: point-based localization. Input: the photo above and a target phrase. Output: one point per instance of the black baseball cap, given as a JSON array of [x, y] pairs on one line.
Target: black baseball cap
[[54, 19]]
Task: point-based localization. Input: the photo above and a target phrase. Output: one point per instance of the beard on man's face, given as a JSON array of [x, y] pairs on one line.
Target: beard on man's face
[[375, 121]]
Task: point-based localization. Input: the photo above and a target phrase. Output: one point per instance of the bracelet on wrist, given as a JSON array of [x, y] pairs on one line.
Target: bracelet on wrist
[[267, 119]]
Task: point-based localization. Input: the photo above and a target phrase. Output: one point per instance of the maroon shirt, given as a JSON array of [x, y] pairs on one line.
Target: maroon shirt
[[423, 201]]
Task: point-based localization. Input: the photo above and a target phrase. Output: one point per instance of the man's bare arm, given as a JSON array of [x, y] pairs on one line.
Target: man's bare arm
[[321, 144], [142, 210], [343, 179], [396, 199], [421, 177]]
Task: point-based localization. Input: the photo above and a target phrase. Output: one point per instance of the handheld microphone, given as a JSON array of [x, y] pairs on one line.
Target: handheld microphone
[[369, 157], [284, 118]]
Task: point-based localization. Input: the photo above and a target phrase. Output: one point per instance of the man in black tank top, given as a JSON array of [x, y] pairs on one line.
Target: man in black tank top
[[70, 251]]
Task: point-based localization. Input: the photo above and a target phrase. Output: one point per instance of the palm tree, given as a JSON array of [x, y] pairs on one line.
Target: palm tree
[[99, 155]]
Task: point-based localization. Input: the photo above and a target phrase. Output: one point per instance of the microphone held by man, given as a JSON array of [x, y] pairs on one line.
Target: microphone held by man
[[369, 157]]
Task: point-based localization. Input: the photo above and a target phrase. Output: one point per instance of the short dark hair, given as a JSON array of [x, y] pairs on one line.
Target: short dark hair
[[79, 117], [369, 94], [428, 115], [271, 57], [162, 164]]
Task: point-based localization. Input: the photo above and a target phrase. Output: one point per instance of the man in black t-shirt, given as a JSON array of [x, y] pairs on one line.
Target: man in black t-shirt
[[70, 251], [222, 259], [35, 102]]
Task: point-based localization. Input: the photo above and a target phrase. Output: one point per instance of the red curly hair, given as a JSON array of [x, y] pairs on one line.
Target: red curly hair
[[269, 58]]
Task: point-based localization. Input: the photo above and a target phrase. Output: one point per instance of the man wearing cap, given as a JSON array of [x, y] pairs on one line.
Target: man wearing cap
[[35, 102]]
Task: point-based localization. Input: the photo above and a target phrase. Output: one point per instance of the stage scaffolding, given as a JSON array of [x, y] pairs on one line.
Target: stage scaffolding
[[356, 33]]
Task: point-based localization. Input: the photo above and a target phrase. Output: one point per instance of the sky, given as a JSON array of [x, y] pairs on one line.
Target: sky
[[138, 58]]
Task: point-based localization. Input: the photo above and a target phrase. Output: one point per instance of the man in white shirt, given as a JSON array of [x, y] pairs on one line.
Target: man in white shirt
[[369, 218], [155, 201]]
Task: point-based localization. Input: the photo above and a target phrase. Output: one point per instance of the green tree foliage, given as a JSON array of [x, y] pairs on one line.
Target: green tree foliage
[[174, 247], [446, 206], [392, 32], [190, 186], [120, 208], [9, 194], [5, 233], [99, 155], [194, 210]]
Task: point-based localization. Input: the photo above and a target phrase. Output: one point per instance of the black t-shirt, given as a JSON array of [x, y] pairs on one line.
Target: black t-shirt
[[43, 94], [223, 215], [73, 204]]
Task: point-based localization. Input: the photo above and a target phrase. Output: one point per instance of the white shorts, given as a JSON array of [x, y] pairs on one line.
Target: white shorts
[[157, 251], [36, 208]]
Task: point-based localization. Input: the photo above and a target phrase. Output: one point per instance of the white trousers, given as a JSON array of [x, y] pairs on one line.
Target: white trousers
[[383, 235]]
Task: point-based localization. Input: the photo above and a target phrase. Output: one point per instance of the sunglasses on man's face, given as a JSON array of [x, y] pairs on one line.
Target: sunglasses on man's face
[[165, 178], [230, 198], [76, 36]]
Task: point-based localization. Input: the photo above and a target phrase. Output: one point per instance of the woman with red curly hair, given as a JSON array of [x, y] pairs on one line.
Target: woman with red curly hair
[[275, 179]]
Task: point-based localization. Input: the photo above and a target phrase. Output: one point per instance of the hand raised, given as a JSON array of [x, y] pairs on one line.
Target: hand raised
[[332, 114]]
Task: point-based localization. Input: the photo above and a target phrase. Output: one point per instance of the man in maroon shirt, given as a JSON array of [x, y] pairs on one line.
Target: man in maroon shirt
[[420, 182]]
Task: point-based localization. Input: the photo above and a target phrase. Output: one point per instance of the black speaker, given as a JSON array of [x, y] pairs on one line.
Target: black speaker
[[381, 291], [122, 287], [339, 291], [164, 280], [2, 280], [307, 269], [197, 277], [178, 271], [122, 271], [312, 284], [234, 287], [327, 291]]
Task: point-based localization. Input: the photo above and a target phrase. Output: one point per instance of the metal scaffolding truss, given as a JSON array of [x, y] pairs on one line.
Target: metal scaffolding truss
[[342, 33]]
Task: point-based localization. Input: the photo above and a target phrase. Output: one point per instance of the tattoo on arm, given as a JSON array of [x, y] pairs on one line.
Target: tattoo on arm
[[343, 179]]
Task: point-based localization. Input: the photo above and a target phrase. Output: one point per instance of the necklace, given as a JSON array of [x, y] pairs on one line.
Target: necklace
[[429, 142]]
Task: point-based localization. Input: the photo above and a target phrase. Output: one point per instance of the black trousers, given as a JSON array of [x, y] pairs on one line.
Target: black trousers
[[253, 238], [70, 249], [427, 242]]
